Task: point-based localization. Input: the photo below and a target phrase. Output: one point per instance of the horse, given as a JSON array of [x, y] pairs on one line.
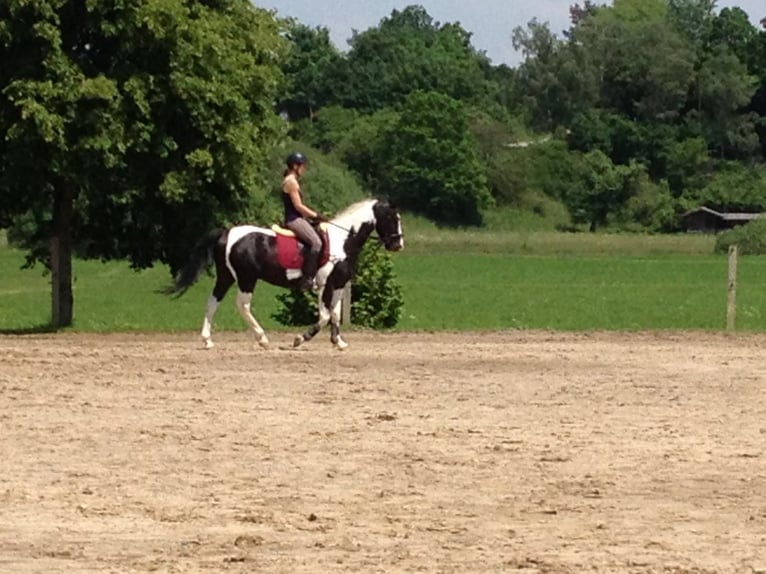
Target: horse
[[245, 254]]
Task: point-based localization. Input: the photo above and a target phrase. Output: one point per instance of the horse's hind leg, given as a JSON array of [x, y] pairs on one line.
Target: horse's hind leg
[[308, 335], [244, 300], [222, 284], [324, 318]]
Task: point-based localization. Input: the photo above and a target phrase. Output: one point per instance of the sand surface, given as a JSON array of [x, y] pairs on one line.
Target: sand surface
[[528, 452]]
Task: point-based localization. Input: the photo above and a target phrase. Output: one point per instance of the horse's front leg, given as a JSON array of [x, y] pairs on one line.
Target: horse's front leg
[[243, 305], [335, 305]]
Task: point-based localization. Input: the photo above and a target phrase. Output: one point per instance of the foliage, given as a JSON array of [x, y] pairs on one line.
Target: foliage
[[376, 297], [312, 72], [723, 89], [328, 127], [130, 129], [362, 149], [733, 187], [164, 104], [649, 208], [432, 163], [750, 238], [411, 52], [296, 308], [554, 81], [617, 194], [687, 165]]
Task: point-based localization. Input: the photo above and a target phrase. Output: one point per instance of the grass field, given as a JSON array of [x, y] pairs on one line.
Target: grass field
[[424, 238], [452, 280]]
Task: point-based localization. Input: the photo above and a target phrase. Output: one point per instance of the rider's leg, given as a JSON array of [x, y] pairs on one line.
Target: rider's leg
[[307, 235]]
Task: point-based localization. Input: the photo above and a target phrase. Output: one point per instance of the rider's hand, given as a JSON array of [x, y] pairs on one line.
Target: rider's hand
[[319, 218]]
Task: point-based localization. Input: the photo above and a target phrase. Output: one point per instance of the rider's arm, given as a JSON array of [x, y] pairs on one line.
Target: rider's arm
[[291, 188]]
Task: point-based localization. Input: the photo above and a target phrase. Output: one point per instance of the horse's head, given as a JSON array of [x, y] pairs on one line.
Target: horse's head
[[388, 225]]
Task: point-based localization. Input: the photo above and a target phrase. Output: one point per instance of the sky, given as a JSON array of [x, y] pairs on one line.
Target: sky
[[490, 21]]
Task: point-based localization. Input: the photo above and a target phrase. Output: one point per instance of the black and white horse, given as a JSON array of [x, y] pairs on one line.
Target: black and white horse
[[245, 253]]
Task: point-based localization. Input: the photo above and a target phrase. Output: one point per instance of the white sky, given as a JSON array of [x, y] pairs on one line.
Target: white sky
[[491, 21]]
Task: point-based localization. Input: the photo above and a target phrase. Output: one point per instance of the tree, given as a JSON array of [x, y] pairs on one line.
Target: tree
[[554, 80], [408, 52], [431, 162], [605, 191], [314, 70], [131, 127], [362, 147], [724, 88]]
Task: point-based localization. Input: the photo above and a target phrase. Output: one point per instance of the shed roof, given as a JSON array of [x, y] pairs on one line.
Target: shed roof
[[727, 216]]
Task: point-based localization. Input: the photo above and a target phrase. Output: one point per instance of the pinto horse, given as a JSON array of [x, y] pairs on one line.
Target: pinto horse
[[244, 254]]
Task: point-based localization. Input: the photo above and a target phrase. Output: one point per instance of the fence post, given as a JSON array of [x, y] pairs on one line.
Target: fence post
[[345, 305], [731, 302]]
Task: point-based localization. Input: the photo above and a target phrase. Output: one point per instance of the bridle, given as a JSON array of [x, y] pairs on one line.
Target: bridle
[[380, 240], [390, 237]]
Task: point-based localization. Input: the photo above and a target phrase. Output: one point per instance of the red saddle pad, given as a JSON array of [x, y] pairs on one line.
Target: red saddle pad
[[290, 251]]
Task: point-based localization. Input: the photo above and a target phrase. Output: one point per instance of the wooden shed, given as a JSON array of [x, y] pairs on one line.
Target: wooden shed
[[706, 220]]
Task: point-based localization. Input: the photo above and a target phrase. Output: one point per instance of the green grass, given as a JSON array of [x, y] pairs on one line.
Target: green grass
[[113, 297], [577, 293], [451, 280], [422, 237]]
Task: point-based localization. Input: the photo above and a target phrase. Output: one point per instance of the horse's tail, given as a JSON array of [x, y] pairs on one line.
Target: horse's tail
[[201, 259]]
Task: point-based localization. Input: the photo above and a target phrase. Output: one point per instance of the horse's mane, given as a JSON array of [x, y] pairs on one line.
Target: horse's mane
[[354, 207]]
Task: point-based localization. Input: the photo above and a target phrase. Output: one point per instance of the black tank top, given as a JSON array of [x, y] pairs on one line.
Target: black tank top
[[291, 214]]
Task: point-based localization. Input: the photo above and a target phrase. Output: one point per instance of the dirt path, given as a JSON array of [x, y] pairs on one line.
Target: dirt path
[[502, 452]]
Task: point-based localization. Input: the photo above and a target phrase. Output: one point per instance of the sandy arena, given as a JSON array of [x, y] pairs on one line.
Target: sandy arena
[[511, 452]]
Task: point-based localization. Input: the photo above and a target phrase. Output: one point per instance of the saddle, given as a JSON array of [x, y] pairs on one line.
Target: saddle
[[290, 250]]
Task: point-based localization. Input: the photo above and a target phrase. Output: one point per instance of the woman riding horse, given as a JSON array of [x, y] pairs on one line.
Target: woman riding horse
[[298, 214], [246, 254]]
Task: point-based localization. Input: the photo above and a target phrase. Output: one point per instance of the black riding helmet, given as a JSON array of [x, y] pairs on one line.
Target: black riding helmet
[[296, 158]]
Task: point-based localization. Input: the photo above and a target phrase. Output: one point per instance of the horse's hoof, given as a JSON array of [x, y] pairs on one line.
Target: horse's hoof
[[264, 343], [208, 344], [298, 341], [341, 345]]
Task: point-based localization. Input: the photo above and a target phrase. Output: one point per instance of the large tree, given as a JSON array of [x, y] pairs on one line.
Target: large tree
[[409, 51], [315, 72], [130, 126], [431, 161]]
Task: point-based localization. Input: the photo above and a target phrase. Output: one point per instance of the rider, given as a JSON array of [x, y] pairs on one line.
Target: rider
[[298, 214]]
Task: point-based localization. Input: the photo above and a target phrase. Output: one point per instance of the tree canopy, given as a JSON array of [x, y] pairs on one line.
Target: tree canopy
[[132, 126]]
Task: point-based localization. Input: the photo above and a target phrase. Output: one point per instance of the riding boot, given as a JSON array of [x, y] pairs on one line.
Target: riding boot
[[309, 270]]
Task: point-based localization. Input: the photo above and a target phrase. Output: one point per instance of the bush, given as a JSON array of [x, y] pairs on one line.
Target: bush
[[296, 308], [751, 238], [376, 297]]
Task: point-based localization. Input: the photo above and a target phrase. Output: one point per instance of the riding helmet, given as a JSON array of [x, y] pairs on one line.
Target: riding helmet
[[296, 158]]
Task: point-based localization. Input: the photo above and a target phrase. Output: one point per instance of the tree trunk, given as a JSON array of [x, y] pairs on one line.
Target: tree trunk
[[61, 258]]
